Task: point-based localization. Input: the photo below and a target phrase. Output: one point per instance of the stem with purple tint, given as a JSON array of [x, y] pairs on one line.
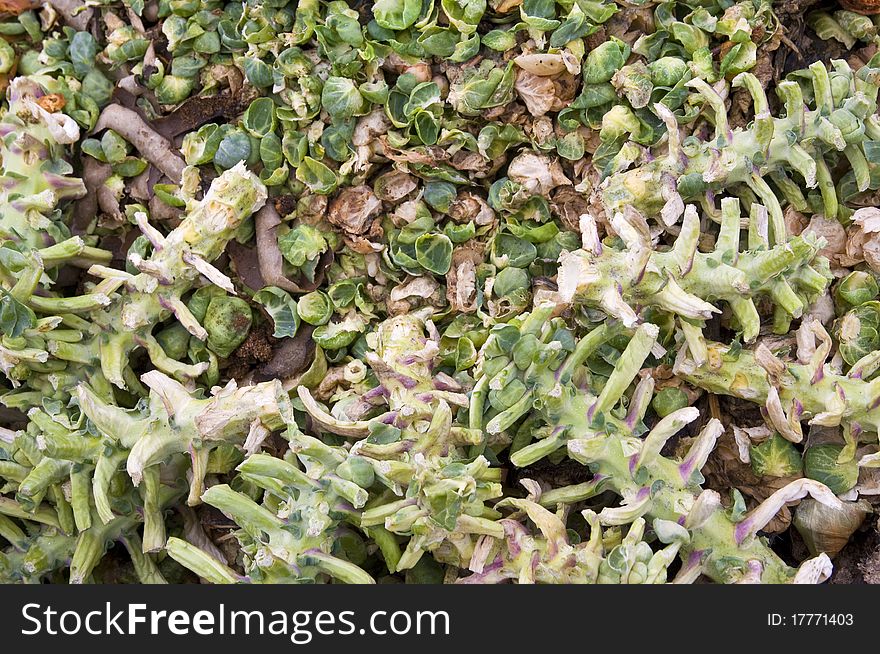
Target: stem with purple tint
[[772, 146], [652, 486], [830, 398]]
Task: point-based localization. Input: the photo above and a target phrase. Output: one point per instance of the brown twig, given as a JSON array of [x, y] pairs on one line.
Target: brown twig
[[78, 20], [94, 174], [269, 255]]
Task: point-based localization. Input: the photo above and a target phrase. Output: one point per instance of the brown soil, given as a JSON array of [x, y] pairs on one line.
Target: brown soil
[[859, 561], [257, 348]]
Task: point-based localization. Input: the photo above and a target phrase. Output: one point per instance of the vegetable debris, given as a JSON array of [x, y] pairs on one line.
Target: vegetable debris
[[437, 291]]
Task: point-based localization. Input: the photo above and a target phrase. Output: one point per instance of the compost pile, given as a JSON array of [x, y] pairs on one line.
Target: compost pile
[[439, 291]]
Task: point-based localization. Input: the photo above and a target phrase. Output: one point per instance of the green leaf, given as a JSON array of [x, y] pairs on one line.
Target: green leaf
[[439, 195], [740, 58], [422, 97], [775, 457], [341, 98], [294, 147], [83, 51], [199, 147], [482, 87], [259, 119], [343, 293], [691, 37], [434, 253], [500, 40], [738, 508], [396, 14], [336, 140], [130, 167], [15, 317], [318, 177], [598, 11], [466, 49], [382, 434], [270, 151], [464, 15], [447, 510], [336, 335], [460, 233], [166, 193], [571, 146], [343, 21], [235, 147], [605, 60], [316, 308], [576, 26], [301, 245], [438, 42], [173, 89], [282, 308], [423, 224], [427, 128], [495, 139], [668, 400], [509, 250], [376, 92], [92, 147], [227, 321], [822, 463], [465, 354], [115, 147], [207, 43], [257, 72], [509, 281]]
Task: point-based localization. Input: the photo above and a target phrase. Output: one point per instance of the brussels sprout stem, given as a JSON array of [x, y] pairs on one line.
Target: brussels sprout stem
[[747, 155], [200, 562], [684, 279], [651, 484], [827, 399]]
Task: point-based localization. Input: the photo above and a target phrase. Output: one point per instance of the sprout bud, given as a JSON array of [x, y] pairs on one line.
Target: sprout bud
[[227, 321]]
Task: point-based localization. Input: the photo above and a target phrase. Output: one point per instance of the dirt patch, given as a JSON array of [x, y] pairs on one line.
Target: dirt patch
[[556, 475], [257, 348], [859, 561]]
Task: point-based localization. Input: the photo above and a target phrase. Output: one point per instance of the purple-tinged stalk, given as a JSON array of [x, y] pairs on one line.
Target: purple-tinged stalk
[[444, 511], [686, 282], [297, 533], [46, 548], [416, 451], [840, 120], [549, 557], [599, 435], [419, 402], [115, 324], [178, 261], [175, 422], [34, 177], [792, 392]]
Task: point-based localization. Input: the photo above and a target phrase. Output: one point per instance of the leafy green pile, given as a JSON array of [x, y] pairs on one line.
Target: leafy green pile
[[460, 291]]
